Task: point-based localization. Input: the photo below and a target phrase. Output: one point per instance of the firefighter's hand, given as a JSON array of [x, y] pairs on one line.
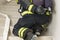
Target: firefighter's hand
[[30, 36], [40, 10]]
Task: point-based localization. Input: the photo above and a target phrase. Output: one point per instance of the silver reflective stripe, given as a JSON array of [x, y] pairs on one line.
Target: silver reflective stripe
[[34, 37]]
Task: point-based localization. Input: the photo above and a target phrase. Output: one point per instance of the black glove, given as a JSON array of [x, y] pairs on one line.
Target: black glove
[[40, 10], [23, 5], [39, 30], [30, 36]]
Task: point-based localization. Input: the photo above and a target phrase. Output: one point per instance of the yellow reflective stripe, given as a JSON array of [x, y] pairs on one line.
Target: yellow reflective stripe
[[16, 0], [43, 26], [26, 12], [19, 32], [22, 33], [31, 1], [48, 13], [30, 7]]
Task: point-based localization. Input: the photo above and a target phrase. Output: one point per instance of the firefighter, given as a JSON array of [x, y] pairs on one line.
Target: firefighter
[[36, 16]]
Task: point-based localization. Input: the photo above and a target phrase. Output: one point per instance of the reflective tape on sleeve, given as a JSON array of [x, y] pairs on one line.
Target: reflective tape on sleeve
[[22, 33], [47, 13], [30, 7], [31, 1], [16, 0], [19, 32], [26, 12]]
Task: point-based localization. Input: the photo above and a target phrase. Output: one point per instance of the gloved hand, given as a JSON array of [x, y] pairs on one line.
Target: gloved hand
[[40, 10], [30, 36]]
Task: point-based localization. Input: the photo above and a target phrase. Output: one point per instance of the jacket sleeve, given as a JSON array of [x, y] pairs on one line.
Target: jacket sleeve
[[20, 29], [24, 3], [48, 3], [17, 26]]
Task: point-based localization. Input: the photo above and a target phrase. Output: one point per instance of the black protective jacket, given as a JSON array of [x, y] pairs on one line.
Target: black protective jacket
[[33, 21]]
